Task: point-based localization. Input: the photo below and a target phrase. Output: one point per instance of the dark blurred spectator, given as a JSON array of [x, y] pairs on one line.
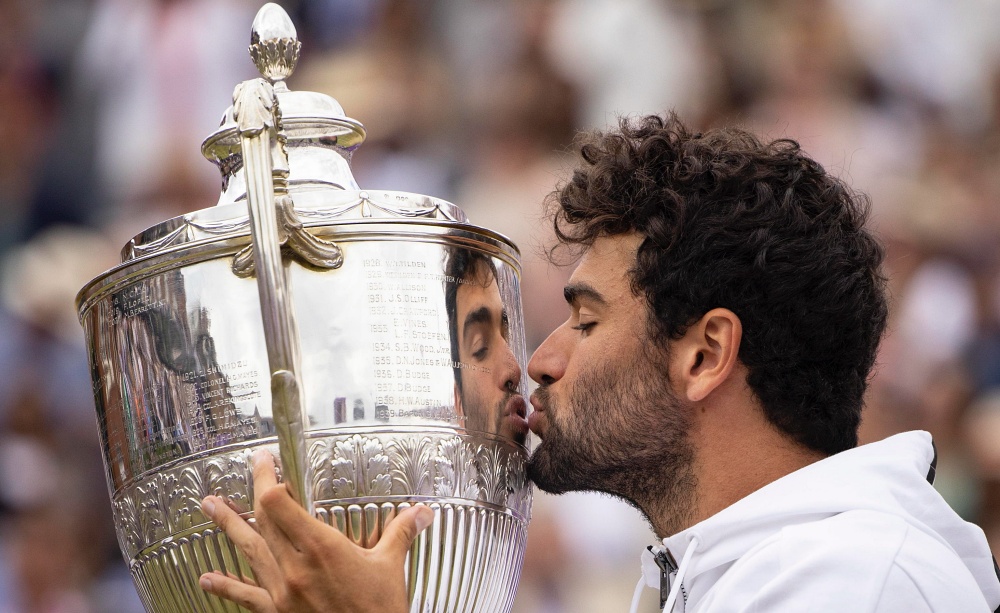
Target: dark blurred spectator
[[44, 551], [394, 82], [162, 72], [630, 57], [27, 107]]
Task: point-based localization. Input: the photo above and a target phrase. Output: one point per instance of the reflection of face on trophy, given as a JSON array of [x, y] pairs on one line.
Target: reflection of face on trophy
[[487, 374]]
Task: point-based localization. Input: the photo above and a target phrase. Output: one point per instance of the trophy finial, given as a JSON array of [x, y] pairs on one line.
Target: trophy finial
[[274, 45]]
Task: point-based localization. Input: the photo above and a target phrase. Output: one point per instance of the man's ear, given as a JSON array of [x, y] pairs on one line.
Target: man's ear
[[705, 356]]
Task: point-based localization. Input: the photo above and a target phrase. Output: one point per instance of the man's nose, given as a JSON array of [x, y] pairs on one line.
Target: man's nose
[[512, 371], [548, 363]]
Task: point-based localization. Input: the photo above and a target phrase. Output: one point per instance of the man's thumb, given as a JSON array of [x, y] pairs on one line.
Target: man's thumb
[[401, 531]]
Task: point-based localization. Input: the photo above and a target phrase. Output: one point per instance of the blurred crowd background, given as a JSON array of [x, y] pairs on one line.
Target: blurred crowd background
[[104, 103]]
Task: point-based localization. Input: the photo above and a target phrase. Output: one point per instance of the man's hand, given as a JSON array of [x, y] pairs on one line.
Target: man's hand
[[303, 565]]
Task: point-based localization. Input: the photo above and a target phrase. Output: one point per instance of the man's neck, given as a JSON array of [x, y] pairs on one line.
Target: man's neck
[[728, 475], [732, 460]]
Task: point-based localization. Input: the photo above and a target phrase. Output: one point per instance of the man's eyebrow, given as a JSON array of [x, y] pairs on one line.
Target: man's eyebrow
[[482, 315], [574, 292]]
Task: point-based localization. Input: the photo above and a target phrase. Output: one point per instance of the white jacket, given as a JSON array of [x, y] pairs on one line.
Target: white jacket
[[861, 531]]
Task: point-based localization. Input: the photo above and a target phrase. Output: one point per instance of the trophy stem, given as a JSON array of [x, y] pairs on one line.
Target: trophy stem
[[255, 107]]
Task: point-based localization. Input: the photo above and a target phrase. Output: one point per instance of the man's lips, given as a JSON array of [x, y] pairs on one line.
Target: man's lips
[[514, 415], [516, 406], [537, 403], [536, 417]]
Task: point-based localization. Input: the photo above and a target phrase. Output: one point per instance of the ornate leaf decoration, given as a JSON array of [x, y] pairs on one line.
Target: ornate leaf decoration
[[275, 58], [168, 487], [253, 102], [229, 477], [345, 470], [519, 498], [492, 474], [352, 466], [412, 466], [243, 262], [322, 470], [361, 468], [152, 523], [456, 471], [185, 501], [376, 465], [130, 537]]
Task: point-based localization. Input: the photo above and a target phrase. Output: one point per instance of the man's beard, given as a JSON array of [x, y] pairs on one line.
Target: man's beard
[[622, 432]]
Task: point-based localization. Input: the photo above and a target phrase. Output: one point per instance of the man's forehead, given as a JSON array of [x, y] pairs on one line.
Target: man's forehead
[[476, 293], [605, 265]]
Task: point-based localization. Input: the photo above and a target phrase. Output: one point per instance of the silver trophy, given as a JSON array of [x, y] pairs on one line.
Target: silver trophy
[[373, 340]]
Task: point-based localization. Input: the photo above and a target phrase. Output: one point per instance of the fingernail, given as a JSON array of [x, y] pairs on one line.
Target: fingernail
[[424, 518], [205, 582], [259, 456], [208, 507]]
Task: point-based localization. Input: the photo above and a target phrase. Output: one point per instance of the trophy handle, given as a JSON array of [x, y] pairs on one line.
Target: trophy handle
[[255, 108]]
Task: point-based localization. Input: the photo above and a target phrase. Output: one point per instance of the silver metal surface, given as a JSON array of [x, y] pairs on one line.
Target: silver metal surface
[[403, 342], [266, 168], [274, 44]]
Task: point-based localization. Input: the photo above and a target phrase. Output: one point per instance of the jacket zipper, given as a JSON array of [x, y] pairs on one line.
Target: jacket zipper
[[667, 566]]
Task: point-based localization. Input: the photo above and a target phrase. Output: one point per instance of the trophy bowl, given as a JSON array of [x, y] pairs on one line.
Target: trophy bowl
[[373, 340]]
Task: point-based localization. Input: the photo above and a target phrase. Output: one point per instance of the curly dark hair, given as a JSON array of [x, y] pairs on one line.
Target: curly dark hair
[[757, 228]]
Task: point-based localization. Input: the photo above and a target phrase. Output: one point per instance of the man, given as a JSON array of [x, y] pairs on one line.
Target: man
[[725, 317], [487, 375]]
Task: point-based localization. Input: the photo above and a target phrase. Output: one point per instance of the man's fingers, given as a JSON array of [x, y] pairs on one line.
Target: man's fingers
[[248, 580], [245, 538], [399, 534], [289, 525], [264, 476], [248, 596], [236, 528], [266, 486]]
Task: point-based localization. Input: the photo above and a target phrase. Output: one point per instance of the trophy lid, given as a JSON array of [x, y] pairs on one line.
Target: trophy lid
[[307, 119], [319, 140]]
